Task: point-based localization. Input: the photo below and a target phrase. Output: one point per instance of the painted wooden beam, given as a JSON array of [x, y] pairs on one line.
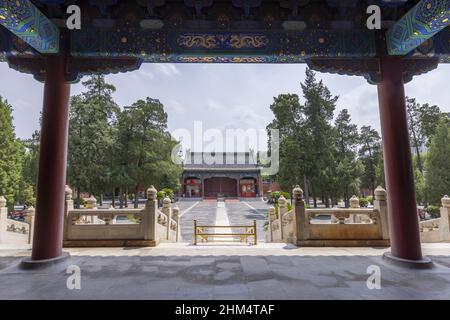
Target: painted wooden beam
[[24, 20], [421, 23], [222, 46]]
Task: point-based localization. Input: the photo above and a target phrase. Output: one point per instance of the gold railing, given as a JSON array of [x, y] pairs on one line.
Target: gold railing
[[249, 231]]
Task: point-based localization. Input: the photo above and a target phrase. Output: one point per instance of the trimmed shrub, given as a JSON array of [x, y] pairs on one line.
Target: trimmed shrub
[[275, 195], [289, 206], [433, 211], [363, 202], [168, 192], [160, 194]]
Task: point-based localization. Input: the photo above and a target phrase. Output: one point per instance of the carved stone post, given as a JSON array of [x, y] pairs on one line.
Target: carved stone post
[[380, 204], [29, 214], [444, 225], [168, 213], [91, 203], [68, 206], [299, 214], [281, 211], [176, 218], [354, 203], [150, 215], [271, 217], [3, 216]]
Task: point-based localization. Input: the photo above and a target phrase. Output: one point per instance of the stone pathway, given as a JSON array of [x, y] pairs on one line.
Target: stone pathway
[[265, 271], [224, 214], [221, 220], [204, 212], [243, 213]]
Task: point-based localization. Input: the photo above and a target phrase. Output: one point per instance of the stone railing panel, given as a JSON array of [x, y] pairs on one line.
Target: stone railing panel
[[13, 231], [352, 226], [101, 227], [437, 230]]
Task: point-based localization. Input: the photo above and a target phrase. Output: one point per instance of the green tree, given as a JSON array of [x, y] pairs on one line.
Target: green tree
[[348, 168], [28, 181], [288, 119], [417, 138], [90, 143], [145, 148], [437, 173], [370, 154], [11, 155], [318, 112], [419, 181], [429, 118], [422, 122], [306, 139]]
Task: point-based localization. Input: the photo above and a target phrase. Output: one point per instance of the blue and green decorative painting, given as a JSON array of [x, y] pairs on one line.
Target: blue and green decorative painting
[[23, 19], [421, 23]]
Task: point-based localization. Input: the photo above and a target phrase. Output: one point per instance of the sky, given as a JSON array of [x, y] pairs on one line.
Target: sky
[[217, 97]]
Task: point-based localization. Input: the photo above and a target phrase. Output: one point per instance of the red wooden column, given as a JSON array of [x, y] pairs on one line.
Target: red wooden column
[[48, 231], [401, 198]]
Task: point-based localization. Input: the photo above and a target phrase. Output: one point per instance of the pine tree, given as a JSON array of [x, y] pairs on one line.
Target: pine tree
[[28, 182], [288, 119], [318, 136], [90, 143], [11, 155], [437, 173], [370, 153], [145, 148], [348, 168]]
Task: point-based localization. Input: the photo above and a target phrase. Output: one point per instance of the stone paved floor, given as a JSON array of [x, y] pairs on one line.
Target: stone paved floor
[[203, 212], [239, 213], [266, 271]]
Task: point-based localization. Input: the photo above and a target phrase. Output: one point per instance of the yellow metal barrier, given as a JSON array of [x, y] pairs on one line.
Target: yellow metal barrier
[[249, 231]]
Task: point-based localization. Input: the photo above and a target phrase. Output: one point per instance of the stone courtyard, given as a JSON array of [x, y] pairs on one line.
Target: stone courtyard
[[265, 271], [232, 270]]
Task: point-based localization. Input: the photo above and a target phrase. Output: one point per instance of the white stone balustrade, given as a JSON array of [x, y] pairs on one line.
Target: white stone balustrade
[[16, 232], [119, 227], [300, 226], [437, 230]]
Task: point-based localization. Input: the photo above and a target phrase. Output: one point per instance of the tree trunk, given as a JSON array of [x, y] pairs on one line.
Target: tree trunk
[[113, 202], [305, 182], [121, 198], [126, 198], [346, 201], [419, 161], [373, 190], [78, 198], [136, 198], [314, 197]]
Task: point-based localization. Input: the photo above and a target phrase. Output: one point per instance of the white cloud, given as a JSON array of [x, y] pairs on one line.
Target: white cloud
[[167, 69], [362, 104], [146, 73], [175, 106], [222, 95], [213, 104]]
